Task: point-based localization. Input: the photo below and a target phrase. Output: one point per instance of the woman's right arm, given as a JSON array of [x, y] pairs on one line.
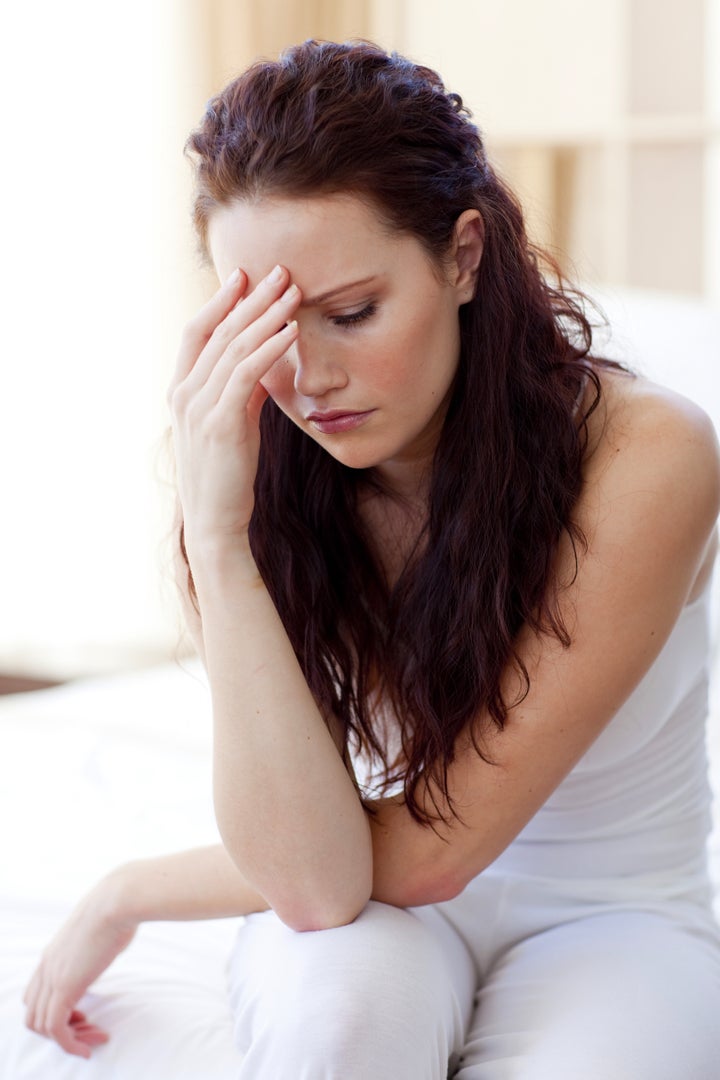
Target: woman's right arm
[[203, 883]]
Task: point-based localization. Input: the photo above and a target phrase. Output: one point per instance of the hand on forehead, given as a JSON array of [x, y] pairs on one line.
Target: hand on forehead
[[324, 242]]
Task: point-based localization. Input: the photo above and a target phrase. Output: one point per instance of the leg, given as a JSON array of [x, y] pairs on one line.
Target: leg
[[626, 996], [386, 997]]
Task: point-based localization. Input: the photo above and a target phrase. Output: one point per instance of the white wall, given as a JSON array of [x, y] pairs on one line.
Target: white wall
[[81, 408]]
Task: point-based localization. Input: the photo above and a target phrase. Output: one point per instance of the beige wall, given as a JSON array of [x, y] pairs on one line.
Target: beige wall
[[233, 33], [617, 163], [604, 116]]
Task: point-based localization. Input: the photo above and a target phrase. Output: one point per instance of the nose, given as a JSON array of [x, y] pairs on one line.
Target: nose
[[315, 370]]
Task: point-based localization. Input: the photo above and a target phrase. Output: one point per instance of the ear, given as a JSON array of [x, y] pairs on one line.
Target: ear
[[466, 253]]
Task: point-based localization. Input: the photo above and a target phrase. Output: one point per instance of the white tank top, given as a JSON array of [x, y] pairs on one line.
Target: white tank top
[[637, 806], [634, 814]]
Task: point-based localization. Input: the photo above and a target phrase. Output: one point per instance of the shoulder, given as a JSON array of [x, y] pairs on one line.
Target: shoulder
[[640, 417], [651, 445]]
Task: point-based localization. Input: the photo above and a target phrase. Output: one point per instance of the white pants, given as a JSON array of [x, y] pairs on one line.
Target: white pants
[[508, 982]]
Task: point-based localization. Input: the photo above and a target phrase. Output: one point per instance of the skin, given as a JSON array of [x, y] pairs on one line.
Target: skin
[[648, 507], [389, 343]]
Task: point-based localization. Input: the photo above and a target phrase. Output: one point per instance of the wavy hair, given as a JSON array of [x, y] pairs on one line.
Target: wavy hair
[[328, 118]]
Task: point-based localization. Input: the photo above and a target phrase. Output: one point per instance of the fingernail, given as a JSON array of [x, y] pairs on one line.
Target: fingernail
[[290, 293], [275, 275], [234, 277]]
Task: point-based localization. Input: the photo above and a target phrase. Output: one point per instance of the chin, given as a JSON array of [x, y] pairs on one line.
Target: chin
[[353, 460], [352, 457]]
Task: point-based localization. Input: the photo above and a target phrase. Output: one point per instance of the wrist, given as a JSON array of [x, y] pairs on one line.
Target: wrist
[[216, 558], [116, 896]]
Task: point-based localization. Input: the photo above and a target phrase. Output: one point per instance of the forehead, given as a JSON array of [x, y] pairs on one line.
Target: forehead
[[318, 239]]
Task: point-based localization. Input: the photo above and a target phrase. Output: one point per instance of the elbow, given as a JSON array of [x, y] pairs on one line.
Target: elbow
[[454, 879], [429, 885], [450, 888], [436, 889], [322, 890], [329, 913], [326, 912], [306, 901], [318, 918]]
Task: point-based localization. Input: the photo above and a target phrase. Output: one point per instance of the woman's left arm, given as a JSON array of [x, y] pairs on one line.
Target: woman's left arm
[[649, 503]]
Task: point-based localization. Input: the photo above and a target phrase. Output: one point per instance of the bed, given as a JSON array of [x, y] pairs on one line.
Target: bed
[[92, 774], [100, 771]]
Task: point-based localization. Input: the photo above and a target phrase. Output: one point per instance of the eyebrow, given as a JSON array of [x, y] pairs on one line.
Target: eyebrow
[[311, 301]]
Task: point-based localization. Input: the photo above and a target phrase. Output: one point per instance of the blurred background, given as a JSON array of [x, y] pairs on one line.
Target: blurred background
[[604, 115]]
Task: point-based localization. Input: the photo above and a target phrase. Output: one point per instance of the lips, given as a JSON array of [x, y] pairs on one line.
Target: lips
[[338, 420]]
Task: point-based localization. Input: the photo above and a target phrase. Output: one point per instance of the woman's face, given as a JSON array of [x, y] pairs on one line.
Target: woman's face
[[369, 375]]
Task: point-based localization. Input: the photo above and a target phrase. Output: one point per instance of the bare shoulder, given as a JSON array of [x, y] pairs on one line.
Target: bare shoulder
[[635, 409], [644, 432], [651, 493]]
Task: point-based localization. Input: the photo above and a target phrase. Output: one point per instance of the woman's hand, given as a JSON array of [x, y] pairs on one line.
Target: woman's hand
[[81, 950], [216, 398]]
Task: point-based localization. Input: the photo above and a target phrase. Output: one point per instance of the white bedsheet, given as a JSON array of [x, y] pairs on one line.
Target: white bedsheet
[[93, 774]]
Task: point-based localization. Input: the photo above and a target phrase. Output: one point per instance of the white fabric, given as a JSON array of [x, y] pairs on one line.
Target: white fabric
[[382, 998], [591, 939], [91, 775], [635, 811], [599, 993]]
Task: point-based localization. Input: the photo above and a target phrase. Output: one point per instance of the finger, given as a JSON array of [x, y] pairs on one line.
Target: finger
[[242, 348], [77, 1017], [89, 1035], [199, 330], [85, 1031], [61, 1030], [246, 376], [30, 994], [39, 1014], [234, 328]]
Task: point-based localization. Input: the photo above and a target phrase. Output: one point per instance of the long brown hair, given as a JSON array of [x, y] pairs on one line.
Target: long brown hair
[[507, 470]]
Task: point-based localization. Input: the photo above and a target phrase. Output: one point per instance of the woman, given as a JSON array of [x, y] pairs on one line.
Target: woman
[[448, 572]]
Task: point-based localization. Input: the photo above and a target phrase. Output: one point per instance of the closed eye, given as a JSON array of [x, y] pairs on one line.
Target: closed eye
[[354, 317]]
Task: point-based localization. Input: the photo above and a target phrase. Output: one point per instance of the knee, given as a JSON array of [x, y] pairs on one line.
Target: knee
[[385, 957], [347, 996]]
